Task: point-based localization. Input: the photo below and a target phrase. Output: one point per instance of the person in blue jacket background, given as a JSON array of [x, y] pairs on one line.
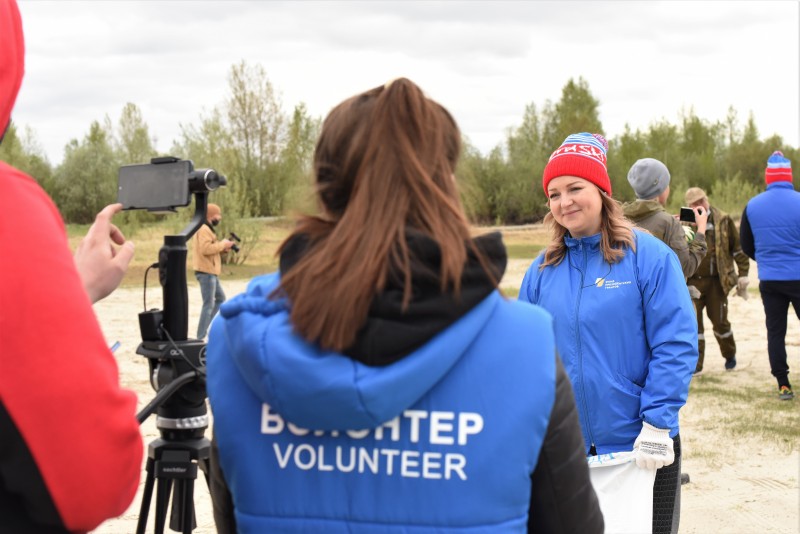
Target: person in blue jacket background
[[379, 382], [624, 322], [770, 234]]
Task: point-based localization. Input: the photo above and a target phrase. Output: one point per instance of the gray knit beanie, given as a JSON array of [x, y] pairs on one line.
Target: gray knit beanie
[[648, 177]]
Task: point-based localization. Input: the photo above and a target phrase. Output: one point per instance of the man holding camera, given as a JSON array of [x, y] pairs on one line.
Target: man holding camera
[[716, 276], [649, 179], [207, 264]]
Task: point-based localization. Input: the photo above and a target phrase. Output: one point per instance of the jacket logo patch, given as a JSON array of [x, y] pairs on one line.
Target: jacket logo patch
[[613, 284]]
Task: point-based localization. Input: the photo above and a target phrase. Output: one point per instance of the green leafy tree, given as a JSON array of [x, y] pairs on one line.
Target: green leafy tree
[[622, 154], [257, 129], [699, 142], [576, 111], [523, 199], [133, 145], [663, 143], [660, 141], [746, 154], [132, 142], [24, 152], [296, 160], [504, 186], [731, 193], [482, 181], [209, 145], [87, 178]]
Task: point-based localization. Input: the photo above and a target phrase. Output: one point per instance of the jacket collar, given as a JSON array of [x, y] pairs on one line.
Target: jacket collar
[[780, 185], [590, 242]]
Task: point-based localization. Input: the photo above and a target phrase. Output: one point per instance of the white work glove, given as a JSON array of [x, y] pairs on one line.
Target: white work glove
[[653, 448], [694, 292], [741, 286]]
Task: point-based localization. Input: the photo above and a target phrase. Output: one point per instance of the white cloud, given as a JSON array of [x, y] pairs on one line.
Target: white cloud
[[485, 61]]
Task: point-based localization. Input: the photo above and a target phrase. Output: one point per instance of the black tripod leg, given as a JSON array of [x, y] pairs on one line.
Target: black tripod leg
[[146, 496], [173, 472], [162, 501], [189, 522], [205, 467], [182, 518]]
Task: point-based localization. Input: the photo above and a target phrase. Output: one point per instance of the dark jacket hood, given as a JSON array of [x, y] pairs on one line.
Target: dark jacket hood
[[398, 357], [325, 390], [390, 331]]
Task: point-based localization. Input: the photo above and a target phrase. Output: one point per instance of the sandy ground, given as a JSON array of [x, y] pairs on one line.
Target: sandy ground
[[747, 486]]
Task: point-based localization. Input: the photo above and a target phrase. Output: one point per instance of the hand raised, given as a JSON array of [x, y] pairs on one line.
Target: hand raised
[[100, 264]]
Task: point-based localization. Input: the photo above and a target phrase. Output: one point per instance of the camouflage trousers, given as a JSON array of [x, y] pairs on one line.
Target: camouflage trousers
[[715, 303]]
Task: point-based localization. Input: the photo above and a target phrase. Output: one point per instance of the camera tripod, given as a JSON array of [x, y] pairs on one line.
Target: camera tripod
[[174, 458], [174, 464], [177, 373]]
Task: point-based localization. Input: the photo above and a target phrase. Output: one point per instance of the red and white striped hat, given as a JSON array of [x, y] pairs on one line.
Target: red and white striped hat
[[779, 169]]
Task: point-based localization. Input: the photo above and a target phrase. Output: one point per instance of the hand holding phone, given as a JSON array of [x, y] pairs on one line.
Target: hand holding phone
[[687, 215], [697, 216]]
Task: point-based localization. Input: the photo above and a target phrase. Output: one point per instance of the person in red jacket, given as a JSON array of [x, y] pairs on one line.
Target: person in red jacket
[[70, 448]]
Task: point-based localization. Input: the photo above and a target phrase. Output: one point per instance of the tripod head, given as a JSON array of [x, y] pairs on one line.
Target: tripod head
[[176, 363]]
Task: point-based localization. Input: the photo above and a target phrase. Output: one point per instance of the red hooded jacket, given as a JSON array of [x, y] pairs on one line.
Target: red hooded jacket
[[70, 448]]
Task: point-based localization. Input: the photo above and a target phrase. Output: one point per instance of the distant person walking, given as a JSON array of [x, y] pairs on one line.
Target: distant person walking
[[649, 179], [207, 263], [716, 276], [770, 234]]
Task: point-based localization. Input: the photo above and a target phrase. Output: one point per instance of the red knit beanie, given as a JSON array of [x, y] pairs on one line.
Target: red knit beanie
[[779, 169], [582, 155]]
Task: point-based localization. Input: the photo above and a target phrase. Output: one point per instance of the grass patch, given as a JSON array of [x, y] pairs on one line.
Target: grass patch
[[744, 412], [265, 236], [523, 251]]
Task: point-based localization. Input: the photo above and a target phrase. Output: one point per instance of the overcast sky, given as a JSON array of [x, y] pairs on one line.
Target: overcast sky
[[485, 61]]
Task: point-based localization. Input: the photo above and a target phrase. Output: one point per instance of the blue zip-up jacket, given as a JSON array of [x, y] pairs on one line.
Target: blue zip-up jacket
[[770, 232], [626, 332], [442, 440]]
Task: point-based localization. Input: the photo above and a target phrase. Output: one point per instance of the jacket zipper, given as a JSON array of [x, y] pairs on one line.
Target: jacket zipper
[[580, 345]]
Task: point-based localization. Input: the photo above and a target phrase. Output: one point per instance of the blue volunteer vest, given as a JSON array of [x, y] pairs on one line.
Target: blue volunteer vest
[[457, 459]]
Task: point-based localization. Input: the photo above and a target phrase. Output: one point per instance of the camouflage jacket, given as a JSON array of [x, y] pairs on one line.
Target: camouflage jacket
[[727, 250]]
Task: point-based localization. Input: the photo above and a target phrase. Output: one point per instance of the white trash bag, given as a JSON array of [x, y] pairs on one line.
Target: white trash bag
[[625, 492]]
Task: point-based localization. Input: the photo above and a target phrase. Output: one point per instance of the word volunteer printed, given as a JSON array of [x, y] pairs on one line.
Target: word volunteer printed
[[446, 429]]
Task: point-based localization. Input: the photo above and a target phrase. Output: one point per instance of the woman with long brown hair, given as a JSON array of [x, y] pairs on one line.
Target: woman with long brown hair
[[624, 323], [379, 382]]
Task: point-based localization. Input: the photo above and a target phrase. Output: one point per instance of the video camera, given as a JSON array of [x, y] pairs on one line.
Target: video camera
[[234, 237]]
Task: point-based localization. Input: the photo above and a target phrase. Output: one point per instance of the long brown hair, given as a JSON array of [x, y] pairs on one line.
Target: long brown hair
[[384, 162], [616, 234]]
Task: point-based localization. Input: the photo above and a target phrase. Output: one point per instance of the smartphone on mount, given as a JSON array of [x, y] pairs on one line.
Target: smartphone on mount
[[155, 186], [687, 215]]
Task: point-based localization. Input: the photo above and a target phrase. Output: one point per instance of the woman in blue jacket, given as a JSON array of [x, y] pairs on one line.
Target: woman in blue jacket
[[379, 382], [625, 326]]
